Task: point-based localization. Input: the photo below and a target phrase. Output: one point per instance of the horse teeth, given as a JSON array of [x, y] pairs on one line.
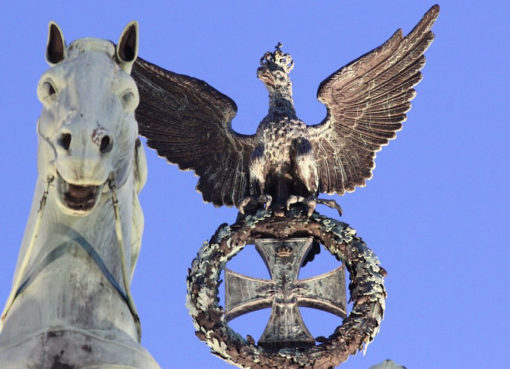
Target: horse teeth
[[77, 197], [80, 192]]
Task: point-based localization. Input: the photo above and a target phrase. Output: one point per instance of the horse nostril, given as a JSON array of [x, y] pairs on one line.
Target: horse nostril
[[65, 140], [106, 145]]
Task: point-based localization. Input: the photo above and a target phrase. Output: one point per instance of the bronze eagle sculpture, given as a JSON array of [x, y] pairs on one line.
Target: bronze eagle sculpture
[[285, 161]]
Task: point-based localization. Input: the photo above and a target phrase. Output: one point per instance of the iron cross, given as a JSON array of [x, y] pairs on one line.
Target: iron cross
[[285, 293]]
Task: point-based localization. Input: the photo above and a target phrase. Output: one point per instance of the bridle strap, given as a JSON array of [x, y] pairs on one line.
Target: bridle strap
[[120, 243], [30, 249], [56, 253], [61, 249]]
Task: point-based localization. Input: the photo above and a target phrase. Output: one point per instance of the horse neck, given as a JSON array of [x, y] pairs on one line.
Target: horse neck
[[97, 228], [86, 287]]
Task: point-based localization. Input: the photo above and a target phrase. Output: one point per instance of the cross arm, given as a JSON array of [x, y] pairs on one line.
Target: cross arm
[[324, 292], [245, 294]]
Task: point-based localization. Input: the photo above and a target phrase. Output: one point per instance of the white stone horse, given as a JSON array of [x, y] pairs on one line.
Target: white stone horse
[[70, 304]]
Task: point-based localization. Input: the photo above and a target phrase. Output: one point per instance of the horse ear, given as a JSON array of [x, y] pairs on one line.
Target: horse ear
[[127, 47], [56, 46]]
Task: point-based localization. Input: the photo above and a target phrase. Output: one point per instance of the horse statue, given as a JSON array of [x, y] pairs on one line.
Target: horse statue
[[70, 305]]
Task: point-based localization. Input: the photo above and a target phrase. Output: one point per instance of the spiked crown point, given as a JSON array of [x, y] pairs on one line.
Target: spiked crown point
[[274, 73], [277, 60]]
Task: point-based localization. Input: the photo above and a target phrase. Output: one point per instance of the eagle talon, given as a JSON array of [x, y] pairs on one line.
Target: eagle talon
[[266, 200], [293, 199], [331, 204], [285, 156], [263, 199], [309, 202]]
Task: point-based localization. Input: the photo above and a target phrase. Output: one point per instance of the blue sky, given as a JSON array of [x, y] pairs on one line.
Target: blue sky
[[436, 211]]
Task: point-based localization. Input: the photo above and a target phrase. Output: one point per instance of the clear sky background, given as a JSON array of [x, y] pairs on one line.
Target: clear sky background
[[436, 211]]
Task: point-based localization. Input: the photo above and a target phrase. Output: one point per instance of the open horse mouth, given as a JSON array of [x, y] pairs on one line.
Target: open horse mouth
[[78, 198]]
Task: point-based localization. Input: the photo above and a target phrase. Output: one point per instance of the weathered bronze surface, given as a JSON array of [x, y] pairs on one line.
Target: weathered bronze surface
[[285, 293], [366, 288], [274, 177], [285, 161]]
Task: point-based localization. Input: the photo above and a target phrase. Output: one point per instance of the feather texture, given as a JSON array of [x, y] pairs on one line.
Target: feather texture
[[189, 123], [367, 101]]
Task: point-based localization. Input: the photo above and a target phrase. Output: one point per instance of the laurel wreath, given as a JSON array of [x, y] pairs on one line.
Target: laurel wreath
[[366, 292]]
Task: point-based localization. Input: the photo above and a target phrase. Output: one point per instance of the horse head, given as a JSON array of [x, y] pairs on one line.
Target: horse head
[[87, 129], [82, 240]]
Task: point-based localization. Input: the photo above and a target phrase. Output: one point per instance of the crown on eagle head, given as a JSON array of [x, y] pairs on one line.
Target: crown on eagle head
[[277, 60]]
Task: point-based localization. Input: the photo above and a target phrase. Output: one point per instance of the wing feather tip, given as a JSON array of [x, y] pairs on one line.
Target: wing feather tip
[[208, 199], [168, 160]]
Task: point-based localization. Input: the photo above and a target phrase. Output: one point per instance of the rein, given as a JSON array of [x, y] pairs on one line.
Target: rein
[[19, 287], [120, 243], [30, 249]]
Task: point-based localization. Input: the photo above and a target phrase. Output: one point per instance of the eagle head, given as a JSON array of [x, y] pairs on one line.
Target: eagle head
[[275, 68]]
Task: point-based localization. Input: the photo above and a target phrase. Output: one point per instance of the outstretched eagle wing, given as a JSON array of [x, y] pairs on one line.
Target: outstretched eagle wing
[[366, 102], [189, 123]]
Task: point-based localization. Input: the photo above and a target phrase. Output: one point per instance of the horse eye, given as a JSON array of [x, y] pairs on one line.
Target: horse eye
[[129, 101], [46, 91], [51, 89]]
